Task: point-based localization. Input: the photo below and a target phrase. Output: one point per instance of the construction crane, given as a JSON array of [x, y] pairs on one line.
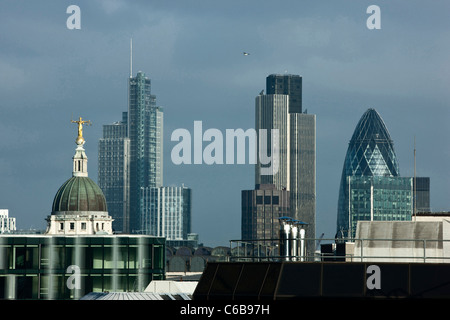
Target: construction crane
[[318, 241]]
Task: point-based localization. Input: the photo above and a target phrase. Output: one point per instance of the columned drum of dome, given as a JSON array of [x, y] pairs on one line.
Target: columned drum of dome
[[370, 153]]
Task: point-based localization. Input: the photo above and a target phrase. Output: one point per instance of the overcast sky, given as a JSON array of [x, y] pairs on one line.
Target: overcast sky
[[192, 52]]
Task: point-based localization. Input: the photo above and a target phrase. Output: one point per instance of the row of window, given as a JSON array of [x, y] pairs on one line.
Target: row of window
[[98, 226], [267, 200]]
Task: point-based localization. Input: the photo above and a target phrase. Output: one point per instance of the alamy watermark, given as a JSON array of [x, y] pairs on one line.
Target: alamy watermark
[[374, 21], [189, 149], [74, 20], [74, 280]]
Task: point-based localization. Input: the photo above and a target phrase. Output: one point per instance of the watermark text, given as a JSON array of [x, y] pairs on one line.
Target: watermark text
[[231, 150]]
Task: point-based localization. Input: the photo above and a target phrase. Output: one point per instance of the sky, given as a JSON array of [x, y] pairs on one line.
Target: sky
[[192, 51]]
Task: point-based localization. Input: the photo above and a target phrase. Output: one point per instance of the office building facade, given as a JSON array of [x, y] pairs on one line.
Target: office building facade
[[271, 112], [379, 198], [422, 194], [66, 267], [302, 164], [261, 210], [166, 212], [113, 172]]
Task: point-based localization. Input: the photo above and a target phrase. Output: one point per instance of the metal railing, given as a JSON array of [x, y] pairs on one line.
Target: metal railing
[[345, 250]]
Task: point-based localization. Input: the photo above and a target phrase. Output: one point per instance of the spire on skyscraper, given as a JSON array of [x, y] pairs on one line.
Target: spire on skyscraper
[[131, 57]]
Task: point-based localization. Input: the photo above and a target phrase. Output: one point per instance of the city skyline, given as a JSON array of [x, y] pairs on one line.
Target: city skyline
[[49, 72]]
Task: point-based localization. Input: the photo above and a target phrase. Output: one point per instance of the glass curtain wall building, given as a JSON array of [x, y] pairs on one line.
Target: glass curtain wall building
[[44, 267], [166, 212], [370, 154], [378, 198], [113, 172], [145, 131]]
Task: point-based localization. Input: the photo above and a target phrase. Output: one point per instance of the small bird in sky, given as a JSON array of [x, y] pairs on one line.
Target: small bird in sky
[[245, 53]]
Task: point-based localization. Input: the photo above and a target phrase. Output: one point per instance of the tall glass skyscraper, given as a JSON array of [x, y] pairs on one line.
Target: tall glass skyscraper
[[371, 179], [145, 131], [131, 170], [131, 155]]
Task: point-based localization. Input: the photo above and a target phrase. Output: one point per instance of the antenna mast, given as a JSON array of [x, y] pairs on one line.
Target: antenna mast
[[415, 184], [131, 57]]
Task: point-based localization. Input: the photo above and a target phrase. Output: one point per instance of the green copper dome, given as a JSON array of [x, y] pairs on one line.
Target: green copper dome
[[79, 194]]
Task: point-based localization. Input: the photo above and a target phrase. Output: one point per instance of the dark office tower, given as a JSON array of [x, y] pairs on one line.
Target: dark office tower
[[113, 172], [370, 154], [422, 194], [261, 210], [145, 131], [287, 84]]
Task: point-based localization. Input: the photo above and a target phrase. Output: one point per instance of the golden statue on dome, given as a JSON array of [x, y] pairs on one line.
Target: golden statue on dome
[[80, 140]]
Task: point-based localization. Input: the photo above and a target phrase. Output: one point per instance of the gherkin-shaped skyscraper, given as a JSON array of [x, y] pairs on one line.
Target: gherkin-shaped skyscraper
[[371, 150], [370, 155]]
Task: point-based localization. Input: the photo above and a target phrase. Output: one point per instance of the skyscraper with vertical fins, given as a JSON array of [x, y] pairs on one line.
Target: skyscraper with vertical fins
[[281, 109]]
